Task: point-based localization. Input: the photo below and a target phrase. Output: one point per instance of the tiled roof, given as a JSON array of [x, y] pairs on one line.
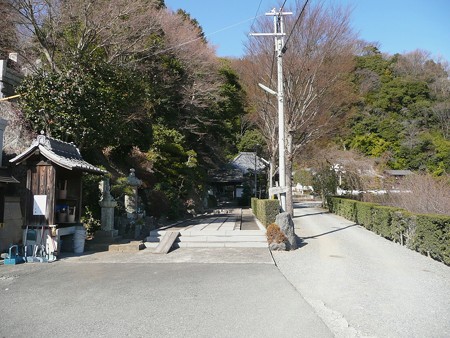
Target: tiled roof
[[226, 176], [245, 162], [61, 153]]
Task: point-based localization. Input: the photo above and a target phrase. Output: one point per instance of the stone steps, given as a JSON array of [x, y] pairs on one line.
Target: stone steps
[[211, 239]]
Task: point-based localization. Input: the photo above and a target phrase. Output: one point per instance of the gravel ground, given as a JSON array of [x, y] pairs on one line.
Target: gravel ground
[[362, 285]]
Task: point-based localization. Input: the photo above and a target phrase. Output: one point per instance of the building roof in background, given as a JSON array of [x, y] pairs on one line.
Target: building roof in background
[[234, 171], [226, 176], [245, 161], [398, 172], [64, 154]]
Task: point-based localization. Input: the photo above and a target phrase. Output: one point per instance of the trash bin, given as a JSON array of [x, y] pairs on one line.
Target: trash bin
[[78, 240]]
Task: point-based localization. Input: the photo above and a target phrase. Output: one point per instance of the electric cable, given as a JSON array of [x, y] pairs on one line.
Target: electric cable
[[256, 14], [293, 27], [282, 6]]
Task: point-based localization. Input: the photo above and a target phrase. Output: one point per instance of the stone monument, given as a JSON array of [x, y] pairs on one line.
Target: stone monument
[[107, 203], [286, 224], [131, 200]]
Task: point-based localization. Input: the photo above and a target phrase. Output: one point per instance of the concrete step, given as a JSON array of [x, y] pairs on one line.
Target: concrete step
[[177, 245], [220, 245], [132, 246], [159, 233], [118, 246], [210, 238]]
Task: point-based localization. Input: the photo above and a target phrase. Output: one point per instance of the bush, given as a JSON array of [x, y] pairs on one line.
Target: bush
[[427, 234], [381, 220], [403, 226], [266, 210], [90, 223], [253, 202], [432, 237], [364, 214], [275, 235]]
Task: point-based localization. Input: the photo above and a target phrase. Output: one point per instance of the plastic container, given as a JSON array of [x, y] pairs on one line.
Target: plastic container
[[78, 240]]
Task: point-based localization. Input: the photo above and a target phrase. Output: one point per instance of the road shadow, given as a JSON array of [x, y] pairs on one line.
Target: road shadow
[[329, 232], [312, 214]]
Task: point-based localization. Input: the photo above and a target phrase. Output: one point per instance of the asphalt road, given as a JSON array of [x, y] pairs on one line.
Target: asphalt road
[[144, 295], [363, 285]]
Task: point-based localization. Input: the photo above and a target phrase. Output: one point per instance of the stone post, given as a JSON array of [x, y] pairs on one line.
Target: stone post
[[107, 203], [131, 203], [131, 200]]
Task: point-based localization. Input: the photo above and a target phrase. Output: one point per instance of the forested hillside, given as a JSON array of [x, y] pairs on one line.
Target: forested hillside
[[132, 84], [403, 115]]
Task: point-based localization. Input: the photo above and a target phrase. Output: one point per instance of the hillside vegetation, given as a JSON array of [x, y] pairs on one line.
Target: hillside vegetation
[[403, 116], [135, 85]]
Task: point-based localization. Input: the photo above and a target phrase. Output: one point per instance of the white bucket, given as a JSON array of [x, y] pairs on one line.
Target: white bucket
[[78, 240]]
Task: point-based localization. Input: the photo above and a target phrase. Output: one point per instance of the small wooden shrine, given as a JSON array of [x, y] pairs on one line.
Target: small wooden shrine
[[54, 190]]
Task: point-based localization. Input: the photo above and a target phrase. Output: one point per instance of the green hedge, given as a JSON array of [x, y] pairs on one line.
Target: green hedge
[[265, 210], [427, 234]]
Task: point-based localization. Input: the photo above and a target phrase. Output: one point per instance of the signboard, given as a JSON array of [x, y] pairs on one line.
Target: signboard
[[277, 190], [39, 205]]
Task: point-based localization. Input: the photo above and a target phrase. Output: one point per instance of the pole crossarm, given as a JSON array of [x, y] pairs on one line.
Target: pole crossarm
[[268, 34]]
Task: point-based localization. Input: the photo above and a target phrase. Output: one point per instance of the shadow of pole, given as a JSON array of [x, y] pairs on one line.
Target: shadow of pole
[[312, 214], [329, 232]]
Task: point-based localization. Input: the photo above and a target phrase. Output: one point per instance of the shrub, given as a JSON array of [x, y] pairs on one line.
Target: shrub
[[91, 223], [381, 220], [432, 237], [275, 235], [266, 210], [364, 214], [403, 226], [253, 202], [427, 234]]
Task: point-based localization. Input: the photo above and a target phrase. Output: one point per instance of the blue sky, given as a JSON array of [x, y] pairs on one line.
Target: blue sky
[[398, 25]]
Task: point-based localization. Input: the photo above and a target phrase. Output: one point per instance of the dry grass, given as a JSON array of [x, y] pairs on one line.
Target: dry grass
[[274, 234]]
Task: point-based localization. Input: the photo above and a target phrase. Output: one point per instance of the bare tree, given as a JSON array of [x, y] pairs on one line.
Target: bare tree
[[263, 109], [442, 112], [318, 59], [184, 40], [85, 28], [423, 194], [8, 29]]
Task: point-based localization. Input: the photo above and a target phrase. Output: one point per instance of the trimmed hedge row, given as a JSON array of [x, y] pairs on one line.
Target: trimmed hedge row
[[427, 234], [265, 210]]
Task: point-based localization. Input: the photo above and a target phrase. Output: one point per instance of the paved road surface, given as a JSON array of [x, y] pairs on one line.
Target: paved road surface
[[206, 293], [363, 285]]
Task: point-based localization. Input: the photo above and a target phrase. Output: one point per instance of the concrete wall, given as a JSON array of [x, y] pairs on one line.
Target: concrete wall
[[11, 231], [9, 78]]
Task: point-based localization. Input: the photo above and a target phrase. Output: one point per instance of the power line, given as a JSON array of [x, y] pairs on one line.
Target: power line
[[200, 37], [282, 6], [293, 27], [256, 14]]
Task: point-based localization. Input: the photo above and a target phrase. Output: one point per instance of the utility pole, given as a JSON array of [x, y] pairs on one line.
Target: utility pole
[[279, 50]]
